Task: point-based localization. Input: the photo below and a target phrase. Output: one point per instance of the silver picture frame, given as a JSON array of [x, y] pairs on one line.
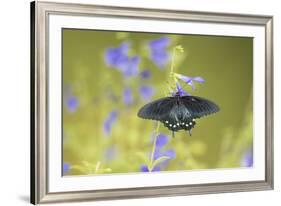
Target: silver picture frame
[[39, 100]]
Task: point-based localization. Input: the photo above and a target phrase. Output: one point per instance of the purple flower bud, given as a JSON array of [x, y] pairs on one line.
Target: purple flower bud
[[146, 92], [109, 121], [128, 96], [145, 74], [66, 168], [179, 92], [247, 159], [72, 103]]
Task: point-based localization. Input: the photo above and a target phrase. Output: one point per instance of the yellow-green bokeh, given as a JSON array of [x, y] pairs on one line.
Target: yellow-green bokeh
[[218, 140]]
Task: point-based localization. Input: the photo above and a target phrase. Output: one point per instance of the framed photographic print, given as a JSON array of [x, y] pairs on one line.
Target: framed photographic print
[[134, 103]]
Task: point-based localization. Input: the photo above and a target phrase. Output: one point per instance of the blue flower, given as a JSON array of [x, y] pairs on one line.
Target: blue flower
[[144, 168], [164, 153], [66, 168], [158, 51], [146, 92], [116, 57], [179, 91], [247, 159], [162, 140], [128, 96], [130, 68], [72, 103], [145, 74], [110, 153], [160, 151], [167, 153], [109, 121], [190, 80]]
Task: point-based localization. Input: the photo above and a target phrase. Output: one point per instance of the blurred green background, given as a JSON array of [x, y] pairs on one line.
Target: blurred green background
[[92, 89]]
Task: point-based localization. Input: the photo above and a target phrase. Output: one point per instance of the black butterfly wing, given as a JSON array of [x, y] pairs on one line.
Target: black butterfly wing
[[198, 106], [178, 112], [158, 109], [183, 107]]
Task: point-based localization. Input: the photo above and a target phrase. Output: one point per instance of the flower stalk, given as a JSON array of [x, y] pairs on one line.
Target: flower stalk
[[156, 132], [176, 49]]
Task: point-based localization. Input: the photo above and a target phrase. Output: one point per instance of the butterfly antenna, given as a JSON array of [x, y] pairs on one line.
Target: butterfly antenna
[[189, 131]]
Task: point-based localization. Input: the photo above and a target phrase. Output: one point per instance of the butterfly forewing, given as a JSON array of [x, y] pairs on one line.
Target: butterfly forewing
[[199, 106], [157, 109]]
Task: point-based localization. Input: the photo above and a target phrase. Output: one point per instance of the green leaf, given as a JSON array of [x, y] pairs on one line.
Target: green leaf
[[159, 160], [122, 35], [86, 163], [97, 167], [143, 157], [80, 168], [179, 48], [106, 170]]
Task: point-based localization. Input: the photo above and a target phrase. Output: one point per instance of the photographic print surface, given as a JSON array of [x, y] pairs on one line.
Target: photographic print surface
[[152, 102]]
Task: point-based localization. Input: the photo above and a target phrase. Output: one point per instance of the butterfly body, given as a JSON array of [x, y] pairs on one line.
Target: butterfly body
[[178, 112]]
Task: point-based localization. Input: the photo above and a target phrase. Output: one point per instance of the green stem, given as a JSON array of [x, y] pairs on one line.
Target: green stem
[[97, 167], [150, 168], [173, 60], [172, 73], [174, 79]]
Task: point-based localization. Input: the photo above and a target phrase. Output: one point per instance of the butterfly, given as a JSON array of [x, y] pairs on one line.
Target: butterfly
[[178, 112]]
